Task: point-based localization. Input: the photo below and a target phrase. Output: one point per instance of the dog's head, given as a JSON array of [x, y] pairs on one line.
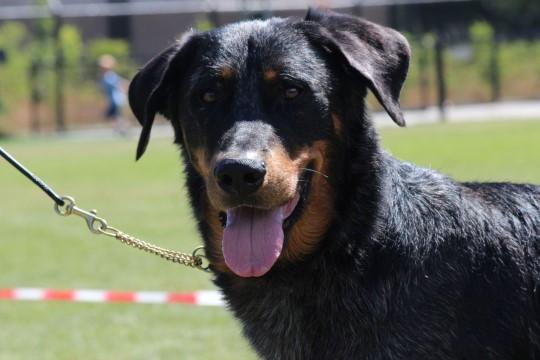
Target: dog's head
[[253, 105]]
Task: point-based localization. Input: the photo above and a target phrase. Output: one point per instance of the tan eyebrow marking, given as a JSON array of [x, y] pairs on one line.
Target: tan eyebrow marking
[[338, 125], [226, 72], [270, 75]]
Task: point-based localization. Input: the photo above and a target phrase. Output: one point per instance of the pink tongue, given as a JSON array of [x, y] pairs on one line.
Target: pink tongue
[[253, 238]]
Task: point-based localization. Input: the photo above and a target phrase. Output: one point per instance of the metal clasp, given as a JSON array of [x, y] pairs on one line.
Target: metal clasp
[[95, 224], [201, 261]]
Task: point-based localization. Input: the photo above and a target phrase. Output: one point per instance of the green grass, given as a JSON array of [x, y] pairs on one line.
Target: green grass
[[498, 151], [147, 199]]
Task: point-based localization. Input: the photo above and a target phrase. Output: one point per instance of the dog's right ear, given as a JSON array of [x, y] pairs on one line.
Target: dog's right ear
[[150, 89], [378, 54]]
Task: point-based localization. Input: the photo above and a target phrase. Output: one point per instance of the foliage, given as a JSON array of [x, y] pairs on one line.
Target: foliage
[[468, 78], [420, 79], [29, 71], [14, 41], [520, 69], [72, 46], [482, 37], [31, 55]]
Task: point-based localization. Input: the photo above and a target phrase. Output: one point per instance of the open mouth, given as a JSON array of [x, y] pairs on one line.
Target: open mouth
[[253, 238]]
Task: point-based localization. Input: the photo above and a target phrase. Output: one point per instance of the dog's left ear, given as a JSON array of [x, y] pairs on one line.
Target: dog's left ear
[[379, 54], [150, 89]]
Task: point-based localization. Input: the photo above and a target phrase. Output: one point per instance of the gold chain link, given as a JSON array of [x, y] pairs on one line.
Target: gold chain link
[[98, 225]]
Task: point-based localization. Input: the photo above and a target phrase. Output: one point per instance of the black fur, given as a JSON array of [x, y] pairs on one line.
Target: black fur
[[414, 264]]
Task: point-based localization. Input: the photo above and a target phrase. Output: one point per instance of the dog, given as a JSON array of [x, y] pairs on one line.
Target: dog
[[323, 244]]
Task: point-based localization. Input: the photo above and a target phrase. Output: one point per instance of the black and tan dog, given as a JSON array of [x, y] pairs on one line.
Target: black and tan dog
[[325, 246]]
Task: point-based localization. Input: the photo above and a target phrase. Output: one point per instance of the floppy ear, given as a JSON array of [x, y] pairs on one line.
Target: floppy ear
[[379, 54], [151, 87]]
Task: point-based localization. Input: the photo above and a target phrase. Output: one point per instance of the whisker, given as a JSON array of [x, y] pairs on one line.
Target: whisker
[[316, 172]]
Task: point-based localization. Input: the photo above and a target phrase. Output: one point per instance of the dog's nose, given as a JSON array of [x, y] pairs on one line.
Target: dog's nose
[[240, 176]]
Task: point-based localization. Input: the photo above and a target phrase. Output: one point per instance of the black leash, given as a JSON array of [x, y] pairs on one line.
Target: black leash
[[17, 165]]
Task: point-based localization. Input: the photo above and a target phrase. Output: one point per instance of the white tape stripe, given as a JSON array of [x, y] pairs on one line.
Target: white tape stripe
[[151, 297], [209, 298], [29, 294], [89, 295]]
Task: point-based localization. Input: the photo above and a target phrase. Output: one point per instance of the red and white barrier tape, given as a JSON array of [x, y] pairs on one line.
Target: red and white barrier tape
[[200, 298]]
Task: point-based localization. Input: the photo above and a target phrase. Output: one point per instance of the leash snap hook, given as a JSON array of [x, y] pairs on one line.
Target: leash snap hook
[[200, 260], [95, 224]]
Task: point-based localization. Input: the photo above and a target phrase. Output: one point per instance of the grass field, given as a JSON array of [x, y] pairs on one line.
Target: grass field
[[147, 199]]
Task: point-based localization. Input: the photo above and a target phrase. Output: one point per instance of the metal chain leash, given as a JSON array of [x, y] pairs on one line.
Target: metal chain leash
[[65, 206], [98, 225]]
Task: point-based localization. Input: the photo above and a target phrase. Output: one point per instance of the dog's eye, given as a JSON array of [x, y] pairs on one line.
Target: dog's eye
[[292, 92], [209, 96]]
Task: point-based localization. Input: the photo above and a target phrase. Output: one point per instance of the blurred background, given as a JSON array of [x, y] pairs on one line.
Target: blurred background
[[465, 51], [472, 99]]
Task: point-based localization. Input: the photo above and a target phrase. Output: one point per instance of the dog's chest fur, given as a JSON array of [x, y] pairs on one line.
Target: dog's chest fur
[[335, 318]]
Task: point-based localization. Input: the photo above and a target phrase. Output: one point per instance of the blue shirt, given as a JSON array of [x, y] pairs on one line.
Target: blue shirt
[[111, 86]]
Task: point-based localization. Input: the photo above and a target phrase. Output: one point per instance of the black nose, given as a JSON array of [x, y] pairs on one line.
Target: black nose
[[240, 176]]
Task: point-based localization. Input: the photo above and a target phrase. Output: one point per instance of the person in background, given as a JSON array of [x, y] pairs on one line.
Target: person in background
[[114, 89]]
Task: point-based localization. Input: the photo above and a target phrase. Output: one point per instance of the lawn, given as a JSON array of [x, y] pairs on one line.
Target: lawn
[[147, 199]]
